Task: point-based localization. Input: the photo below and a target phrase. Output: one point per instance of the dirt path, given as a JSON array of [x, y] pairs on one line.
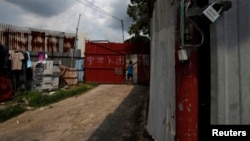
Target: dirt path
[[105, 113]]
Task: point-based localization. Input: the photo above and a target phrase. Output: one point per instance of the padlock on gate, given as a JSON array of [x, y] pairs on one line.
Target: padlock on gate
[[211, 13]]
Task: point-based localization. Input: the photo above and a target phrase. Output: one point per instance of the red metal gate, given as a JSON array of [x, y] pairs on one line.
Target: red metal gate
[[105, 62]]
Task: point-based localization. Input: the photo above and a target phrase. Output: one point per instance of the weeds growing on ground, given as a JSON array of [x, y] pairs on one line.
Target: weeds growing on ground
[[10, 112], [37, 99]]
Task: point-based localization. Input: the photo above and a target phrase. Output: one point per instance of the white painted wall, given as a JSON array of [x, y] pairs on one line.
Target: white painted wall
[[81, 42]]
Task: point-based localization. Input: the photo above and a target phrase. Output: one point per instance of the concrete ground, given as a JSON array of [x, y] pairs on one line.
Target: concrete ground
[[105, 113]]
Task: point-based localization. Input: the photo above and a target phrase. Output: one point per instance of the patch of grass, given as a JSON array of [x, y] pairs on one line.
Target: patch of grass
[[37, 99], [11, 112]]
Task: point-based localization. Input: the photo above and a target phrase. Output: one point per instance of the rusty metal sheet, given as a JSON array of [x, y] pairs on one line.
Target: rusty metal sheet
[[52, 43], [68, 44], [14, 37], [32, 39], [38, 41]]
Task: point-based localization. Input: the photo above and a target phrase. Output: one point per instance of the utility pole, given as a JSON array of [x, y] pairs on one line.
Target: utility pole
[[77, 29], [76, 38], [122, 31]]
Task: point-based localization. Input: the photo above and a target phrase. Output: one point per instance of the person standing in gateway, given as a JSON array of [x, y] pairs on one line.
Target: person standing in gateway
[[130, 72]]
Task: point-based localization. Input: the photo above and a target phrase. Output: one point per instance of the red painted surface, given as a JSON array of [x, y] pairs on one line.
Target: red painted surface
[[187, 99], [186, 91], [143, 71], [105, 62], [103, 68], [5, 89]]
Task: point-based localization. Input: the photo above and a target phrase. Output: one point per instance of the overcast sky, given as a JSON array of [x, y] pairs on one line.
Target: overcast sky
[[63, 15]]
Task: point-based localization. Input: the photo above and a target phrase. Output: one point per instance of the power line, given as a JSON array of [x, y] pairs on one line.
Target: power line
[[96, 8]]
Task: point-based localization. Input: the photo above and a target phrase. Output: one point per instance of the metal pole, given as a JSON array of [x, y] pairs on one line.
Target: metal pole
[[76, 38], [77, 26], [122, 31]]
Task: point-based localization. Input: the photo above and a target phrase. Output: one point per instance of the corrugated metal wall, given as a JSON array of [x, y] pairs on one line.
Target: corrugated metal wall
[[161, 117], [57, 44], [33, 39], [230, 69]]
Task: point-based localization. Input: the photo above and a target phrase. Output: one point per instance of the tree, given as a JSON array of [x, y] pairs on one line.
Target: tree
[[138, 11], [141, 39]]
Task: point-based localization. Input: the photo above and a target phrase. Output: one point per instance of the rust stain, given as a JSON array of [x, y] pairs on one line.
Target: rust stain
[[38, 41], [68, 43], [53, 44], [14, 39], [34, 40]]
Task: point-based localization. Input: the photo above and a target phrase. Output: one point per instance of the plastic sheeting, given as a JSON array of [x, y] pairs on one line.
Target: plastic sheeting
[[80, 69]]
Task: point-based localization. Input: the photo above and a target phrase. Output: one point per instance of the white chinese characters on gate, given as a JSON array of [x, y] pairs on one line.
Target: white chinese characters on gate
[[108, 60]]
